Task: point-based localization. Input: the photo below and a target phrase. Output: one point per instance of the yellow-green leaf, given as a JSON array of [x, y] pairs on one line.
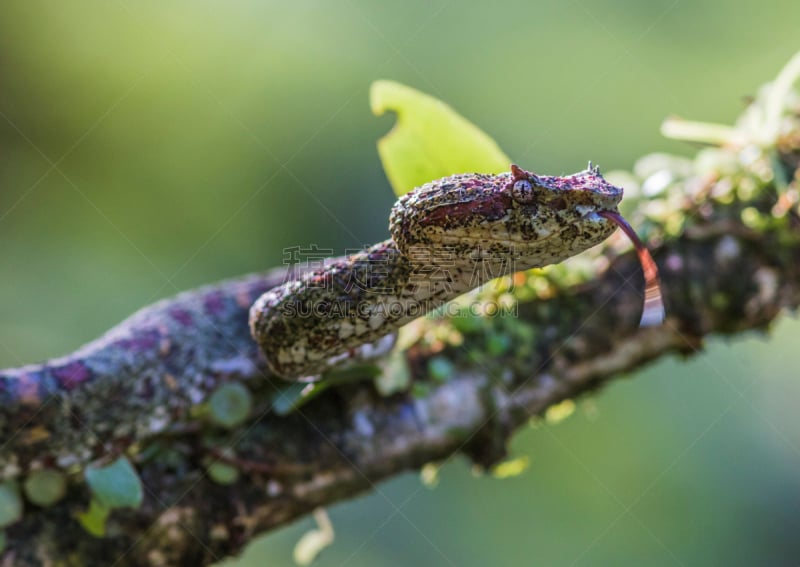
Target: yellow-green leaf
[[430, 140], [559, 412], [511, 468], [429, 474], [94, 518]]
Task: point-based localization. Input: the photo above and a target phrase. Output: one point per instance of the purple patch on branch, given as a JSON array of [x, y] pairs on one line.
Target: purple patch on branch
[[141, 341], [72, 375], [213, 303], [181, 316]]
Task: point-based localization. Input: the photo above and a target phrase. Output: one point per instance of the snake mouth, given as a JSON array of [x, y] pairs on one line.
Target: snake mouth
[[600, 215], [500, 238]]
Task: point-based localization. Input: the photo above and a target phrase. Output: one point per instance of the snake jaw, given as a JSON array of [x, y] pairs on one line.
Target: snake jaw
[[587, 211]]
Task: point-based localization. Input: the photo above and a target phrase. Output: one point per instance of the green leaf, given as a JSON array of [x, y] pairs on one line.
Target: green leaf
[[94, 519], [116, 485], [230, 404], [286, 397], [45, 487], [10, 504], [498, 343], [223, 473], [430, 139], [440, 369]]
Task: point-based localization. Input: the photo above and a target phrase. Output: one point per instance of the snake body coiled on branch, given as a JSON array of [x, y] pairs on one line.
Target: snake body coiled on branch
[[448, 236]]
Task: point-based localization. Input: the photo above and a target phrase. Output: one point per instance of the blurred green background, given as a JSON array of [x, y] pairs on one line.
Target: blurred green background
[[148, 147]]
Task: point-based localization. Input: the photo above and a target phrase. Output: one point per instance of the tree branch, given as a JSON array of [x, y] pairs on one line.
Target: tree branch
[[733, 265]]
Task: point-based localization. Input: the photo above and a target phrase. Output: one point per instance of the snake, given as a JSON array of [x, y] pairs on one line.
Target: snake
[[447, 237], [148, 373]]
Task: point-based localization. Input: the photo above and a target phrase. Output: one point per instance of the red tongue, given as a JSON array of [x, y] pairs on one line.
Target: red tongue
[[653, 312]]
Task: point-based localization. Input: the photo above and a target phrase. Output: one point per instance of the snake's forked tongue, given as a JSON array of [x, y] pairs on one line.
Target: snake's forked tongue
[[653, 312]]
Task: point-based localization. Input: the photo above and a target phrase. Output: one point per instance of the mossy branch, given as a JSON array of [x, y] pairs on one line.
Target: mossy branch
[[724, 229]]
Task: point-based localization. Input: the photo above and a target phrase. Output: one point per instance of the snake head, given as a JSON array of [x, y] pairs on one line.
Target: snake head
[[534, 219]]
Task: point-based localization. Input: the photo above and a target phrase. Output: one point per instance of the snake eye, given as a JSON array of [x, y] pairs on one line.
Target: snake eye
[[522, 191]]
